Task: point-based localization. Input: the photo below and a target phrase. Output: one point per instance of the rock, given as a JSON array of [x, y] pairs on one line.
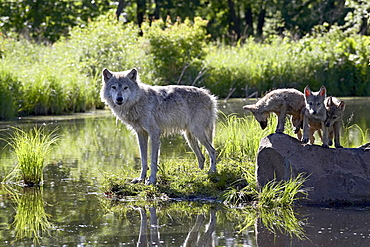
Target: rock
[[336, 176]]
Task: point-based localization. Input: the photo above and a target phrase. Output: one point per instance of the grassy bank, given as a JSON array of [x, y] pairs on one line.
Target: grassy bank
[[65, 77], [234, 182]]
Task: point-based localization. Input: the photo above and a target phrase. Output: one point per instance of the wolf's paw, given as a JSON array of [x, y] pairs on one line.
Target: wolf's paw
[[136, 180], [150, 181], [330, 142], [279, 130], [212, 170], [304, 140], [325, 145], [338, 146]]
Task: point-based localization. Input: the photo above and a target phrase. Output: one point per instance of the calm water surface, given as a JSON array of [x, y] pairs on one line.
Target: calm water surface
[[71, 210]]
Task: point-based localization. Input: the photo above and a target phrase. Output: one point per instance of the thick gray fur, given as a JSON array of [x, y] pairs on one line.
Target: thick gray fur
[[152, 111]]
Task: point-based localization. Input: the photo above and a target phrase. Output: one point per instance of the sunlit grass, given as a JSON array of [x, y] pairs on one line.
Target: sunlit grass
[[282, 193], [30, 148], [354, 136]]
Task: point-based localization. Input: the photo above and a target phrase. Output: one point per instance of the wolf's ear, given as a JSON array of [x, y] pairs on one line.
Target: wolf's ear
[[132, 75], [251, 108], [342, 105], [106, 75], [307, 91], [329, 101], [322, 91]]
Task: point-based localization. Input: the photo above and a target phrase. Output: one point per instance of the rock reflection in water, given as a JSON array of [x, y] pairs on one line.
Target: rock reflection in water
[[323, 227]]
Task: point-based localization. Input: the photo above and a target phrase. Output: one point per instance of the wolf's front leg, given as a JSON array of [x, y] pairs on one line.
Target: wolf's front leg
[[336, 128], [155, 141], [143, 145], [281, 119], [325, 135], [306, 129]]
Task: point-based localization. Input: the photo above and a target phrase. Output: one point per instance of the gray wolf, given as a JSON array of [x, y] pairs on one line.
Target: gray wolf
[[315, 114], [335, 110], [282, 102], [334, 114], [152, 111]]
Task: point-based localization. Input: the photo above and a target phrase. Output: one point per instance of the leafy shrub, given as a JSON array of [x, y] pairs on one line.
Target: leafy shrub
[[175, 47]]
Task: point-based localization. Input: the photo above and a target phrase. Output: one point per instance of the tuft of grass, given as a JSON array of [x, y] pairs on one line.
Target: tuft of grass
[[355, 136], [282, 193], [238, 138], [31, 148]]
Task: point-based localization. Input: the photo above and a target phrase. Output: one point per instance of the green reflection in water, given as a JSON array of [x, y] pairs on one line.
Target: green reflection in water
[[276, 220], [31, 220]]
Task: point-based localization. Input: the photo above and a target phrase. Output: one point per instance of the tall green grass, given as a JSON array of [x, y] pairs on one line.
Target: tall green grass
[[31, 148], [65, 77], [334, 59]]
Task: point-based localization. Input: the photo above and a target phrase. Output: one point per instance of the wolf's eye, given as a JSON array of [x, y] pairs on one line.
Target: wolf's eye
[[318, 104], [114, 87], [125, 87]]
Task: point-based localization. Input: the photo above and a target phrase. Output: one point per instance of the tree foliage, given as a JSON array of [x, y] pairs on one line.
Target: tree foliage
[[47, 20], [228, 20]]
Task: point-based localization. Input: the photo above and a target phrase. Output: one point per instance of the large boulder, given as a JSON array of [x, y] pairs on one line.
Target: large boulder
[[335, 175]]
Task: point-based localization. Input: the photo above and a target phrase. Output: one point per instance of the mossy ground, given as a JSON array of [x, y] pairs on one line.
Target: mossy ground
[[182, 180]]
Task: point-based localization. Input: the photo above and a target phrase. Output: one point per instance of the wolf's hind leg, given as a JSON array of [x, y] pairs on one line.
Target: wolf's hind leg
[[193, 143], [206, 142], [336, 129]]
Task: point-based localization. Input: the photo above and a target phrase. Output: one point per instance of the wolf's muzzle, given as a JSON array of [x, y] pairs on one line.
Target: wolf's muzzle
[[119, 100]]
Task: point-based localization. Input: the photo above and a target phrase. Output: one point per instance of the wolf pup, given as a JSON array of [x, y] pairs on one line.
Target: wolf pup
[[315, 113], [334, 113], [281, 102], [335, 109], [155, 110]]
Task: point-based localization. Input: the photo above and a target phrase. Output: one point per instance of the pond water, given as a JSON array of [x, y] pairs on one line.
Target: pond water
[[70, 209]]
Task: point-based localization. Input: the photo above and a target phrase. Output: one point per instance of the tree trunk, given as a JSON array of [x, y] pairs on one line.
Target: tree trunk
[[121, 4], [235, 23], [364, 26], [261, 22], [249, 30], [140, 10]]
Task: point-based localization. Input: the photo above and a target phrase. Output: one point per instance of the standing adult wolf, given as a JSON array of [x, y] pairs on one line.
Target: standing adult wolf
[[155, 110]]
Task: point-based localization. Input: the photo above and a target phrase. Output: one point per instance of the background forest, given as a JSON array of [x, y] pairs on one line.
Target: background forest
[[52, 52]]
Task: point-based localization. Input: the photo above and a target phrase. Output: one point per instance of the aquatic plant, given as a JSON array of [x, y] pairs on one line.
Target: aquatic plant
[[31, 148]]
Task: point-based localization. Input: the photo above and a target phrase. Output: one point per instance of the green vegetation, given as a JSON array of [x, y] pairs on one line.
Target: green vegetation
[[30, 148], [30, 221], [65, 77], [274, 219], [234, 182]]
